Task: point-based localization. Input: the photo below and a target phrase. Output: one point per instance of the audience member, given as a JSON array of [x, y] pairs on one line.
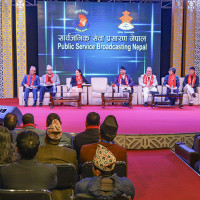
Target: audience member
[[105, 184], [108, 131], [8, 152], [29, 124], [91, 133], [28, 173], [197, 167], [10, 122], [66, 137], [51, 152]]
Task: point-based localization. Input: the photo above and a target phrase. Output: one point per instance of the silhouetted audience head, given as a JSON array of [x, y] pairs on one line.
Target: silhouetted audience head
[[103, 162], [54, 133], [108, 129], [27, 144], [93, 119], [10, 121], [51, 117], [28, 118], [7, 149]]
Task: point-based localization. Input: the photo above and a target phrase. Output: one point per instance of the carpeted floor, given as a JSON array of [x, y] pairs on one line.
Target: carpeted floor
[[161, 175], [138, 120]]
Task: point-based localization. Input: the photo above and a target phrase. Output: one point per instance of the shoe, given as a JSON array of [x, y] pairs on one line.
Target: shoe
[[190, 104], [194, 95], [34, 105], [145, 104], [156, 103], [40, 104], [25, 105]]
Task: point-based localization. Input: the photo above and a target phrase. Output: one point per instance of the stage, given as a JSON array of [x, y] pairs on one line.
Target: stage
[[139, 128]]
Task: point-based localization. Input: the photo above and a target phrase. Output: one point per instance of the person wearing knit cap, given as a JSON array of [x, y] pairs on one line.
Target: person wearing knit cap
[[105, 184], [51, 152], [31, 83], [171, 84], [108, 132], [48, 83], [190, 83], [123, 81]]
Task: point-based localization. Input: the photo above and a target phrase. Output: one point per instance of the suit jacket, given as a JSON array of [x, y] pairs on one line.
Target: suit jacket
[[88, 151], [54, 154], [55, 80], [185, 82], [89, 136], [74, 82], [66, 139], [28, 174], [30, 128], [35, 83], [101, 189], [130, 81], [167, 79]]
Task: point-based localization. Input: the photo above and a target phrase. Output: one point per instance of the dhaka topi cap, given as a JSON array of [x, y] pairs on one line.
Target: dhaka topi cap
[[173, 69], [104, 159], [192, 68], [49, 67], [122, 67]]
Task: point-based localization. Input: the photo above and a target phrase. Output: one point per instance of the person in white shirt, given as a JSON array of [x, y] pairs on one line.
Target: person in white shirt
[[148, 82]]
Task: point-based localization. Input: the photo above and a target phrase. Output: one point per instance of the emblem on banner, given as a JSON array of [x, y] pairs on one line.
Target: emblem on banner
[[81, 24], [126, 21]]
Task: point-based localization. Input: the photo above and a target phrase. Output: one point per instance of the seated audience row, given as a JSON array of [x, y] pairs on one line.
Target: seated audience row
[[31, 156]]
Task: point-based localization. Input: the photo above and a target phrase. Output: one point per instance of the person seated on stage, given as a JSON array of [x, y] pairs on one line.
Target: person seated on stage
[[190, 83], [105, 184], [8, 152], [28, 174], [49, 82], [123, 79], [29, 124], [77, 81], [90, 135], [31, 83], [66, 138], [172, 83], [108, 132], [10, 122], [148, 82], [51, 152]]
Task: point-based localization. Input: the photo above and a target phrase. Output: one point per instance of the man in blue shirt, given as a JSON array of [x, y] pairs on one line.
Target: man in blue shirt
[[31, 83]]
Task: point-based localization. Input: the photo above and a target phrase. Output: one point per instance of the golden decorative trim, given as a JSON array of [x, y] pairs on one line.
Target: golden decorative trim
[[21, 40], [8, 74]]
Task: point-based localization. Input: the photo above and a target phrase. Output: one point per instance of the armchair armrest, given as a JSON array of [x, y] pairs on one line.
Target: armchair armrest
[[159, 87], [187, 154], [198, 90]]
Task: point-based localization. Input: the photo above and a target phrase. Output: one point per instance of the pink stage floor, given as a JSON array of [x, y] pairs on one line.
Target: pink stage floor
[[139, 120]]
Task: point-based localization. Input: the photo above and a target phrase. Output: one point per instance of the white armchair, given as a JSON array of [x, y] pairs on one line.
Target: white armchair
[[30, 98], [140, 93]]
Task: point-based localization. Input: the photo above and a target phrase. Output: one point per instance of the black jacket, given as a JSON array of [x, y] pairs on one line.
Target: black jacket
[[28, 174], [74, 83]]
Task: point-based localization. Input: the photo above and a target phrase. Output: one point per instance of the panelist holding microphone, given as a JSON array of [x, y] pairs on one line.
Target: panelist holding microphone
[[49, 82], [172, 83]]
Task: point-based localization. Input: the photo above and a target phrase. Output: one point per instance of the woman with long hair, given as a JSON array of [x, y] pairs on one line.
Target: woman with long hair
[[8, 152]]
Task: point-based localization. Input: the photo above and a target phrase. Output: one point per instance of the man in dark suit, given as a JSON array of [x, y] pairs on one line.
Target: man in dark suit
[[29, 124], [108, 131], [31, 83], [51, 152], [66, 138], [90, 135], [28, 173]]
